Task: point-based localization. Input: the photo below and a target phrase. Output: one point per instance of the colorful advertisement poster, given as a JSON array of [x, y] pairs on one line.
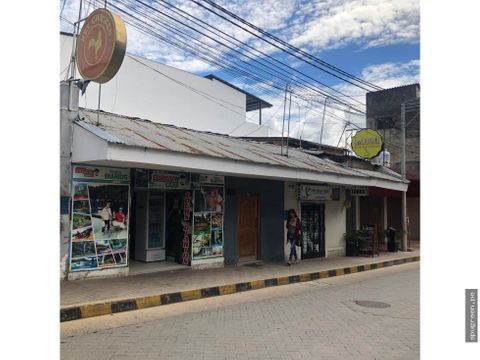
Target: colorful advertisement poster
[[168, 180], [186, 227], [207, 238], [209, 198], [161, 179], [99, 218]]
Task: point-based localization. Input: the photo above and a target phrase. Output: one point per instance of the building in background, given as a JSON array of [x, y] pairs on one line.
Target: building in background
[[384, 115], [147, 89]]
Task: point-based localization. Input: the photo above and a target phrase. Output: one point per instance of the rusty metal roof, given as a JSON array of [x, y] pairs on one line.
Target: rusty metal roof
[[137, 132]]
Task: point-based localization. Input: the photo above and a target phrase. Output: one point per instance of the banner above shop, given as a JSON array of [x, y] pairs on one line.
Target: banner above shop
[[360, 191], [211, 179], [160, 179], [367, 143], [101, 46], [100, 174], [314, 192], [168, 180]]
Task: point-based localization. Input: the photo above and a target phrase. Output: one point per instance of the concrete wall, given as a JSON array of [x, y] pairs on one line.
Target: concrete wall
[[335, 227], [386, 104], [68, 112], [413, 212], [176, 97], [271, 217]]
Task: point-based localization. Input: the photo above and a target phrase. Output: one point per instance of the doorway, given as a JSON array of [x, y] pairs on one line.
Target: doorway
[[150, 226], [174, 227], [313, 230], [248, 226]]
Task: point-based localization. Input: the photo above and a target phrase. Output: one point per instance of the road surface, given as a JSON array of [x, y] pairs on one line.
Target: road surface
[[325, 319]]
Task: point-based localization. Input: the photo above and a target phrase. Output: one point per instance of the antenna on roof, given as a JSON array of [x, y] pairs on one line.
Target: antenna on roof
[[288, 127], [283, 120]]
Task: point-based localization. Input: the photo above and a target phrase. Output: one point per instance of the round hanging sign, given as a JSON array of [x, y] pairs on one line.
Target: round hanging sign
[[101, 46], [367, 143]]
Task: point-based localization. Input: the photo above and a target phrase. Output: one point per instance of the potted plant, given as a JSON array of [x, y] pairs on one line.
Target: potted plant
[[353, 240]]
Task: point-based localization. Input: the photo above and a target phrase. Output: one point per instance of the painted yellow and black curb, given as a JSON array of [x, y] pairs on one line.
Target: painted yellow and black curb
[[112, 307]]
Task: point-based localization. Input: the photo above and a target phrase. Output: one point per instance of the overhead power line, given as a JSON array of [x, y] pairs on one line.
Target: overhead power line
[[250, 48], [295, 50], [187, 47], [268, 79], [244, 57]]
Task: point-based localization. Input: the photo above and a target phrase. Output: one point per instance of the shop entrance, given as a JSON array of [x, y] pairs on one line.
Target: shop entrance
[[158, 229], [248, 227], [150, 226], [313, 230]]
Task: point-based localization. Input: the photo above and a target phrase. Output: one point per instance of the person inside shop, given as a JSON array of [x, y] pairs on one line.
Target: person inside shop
[[106, 215], [294, 231], [174, 234]]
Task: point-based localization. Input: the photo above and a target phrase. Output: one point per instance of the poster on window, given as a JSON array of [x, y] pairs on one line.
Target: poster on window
[[207, 238], [209, 198], [99, 219], [187, 228]]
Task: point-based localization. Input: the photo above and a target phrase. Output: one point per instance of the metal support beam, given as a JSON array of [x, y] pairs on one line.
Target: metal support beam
[[323, 120], [288, 127], [260, 113], [404, 193], [283, 120]]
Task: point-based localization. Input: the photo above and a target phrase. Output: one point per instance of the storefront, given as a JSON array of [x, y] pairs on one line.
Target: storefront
[[147, 193], [321, 209], [253, 220], [144, 215]]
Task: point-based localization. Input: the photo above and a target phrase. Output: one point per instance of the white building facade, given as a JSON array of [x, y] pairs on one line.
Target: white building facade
[[146, 89]]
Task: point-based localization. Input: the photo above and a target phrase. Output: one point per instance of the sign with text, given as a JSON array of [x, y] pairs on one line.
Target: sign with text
[[367, 143], [100, 174], [211, 179], [168, 180], [314, 192], [359, 191]]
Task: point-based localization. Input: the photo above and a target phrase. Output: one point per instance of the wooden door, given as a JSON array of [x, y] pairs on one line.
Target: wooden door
[[248, 227]]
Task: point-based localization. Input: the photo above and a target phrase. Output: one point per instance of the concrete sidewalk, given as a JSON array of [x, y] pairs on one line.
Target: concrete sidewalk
[[138, 291]]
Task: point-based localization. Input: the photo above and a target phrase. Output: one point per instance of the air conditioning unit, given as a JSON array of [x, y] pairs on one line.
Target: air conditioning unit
[[382, 159]]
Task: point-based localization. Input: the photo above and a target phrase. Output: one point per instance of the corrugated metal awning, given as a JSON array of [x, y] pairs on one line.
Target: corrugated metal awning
[[138, 133]]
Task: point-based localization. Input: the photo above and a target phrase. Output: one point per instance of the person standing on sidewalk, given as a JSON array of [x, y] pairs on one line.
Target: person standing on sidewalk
[[294, 230]]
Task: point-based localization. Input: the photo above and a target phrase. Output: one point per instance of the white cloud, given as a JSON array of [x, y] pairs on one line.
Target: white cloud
[[369, 23], [315, 25]]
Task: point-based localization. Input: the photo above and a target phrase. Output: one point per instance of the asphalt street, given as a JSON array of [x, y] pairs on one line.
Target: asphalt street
[[368, 315]]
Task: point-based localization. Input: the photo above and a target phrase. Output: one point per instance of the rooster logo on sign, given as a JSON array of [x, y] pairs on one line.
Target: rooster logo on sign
[[96, 43]]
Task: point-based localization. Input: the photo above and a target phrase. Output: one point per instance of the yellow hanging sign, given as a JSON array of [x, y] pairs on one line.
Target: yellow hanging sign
[[367, 143]]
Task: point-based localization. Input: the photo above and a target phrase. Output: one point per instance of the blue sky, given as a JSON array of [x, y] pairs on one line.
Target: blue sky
[[376, 40]]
